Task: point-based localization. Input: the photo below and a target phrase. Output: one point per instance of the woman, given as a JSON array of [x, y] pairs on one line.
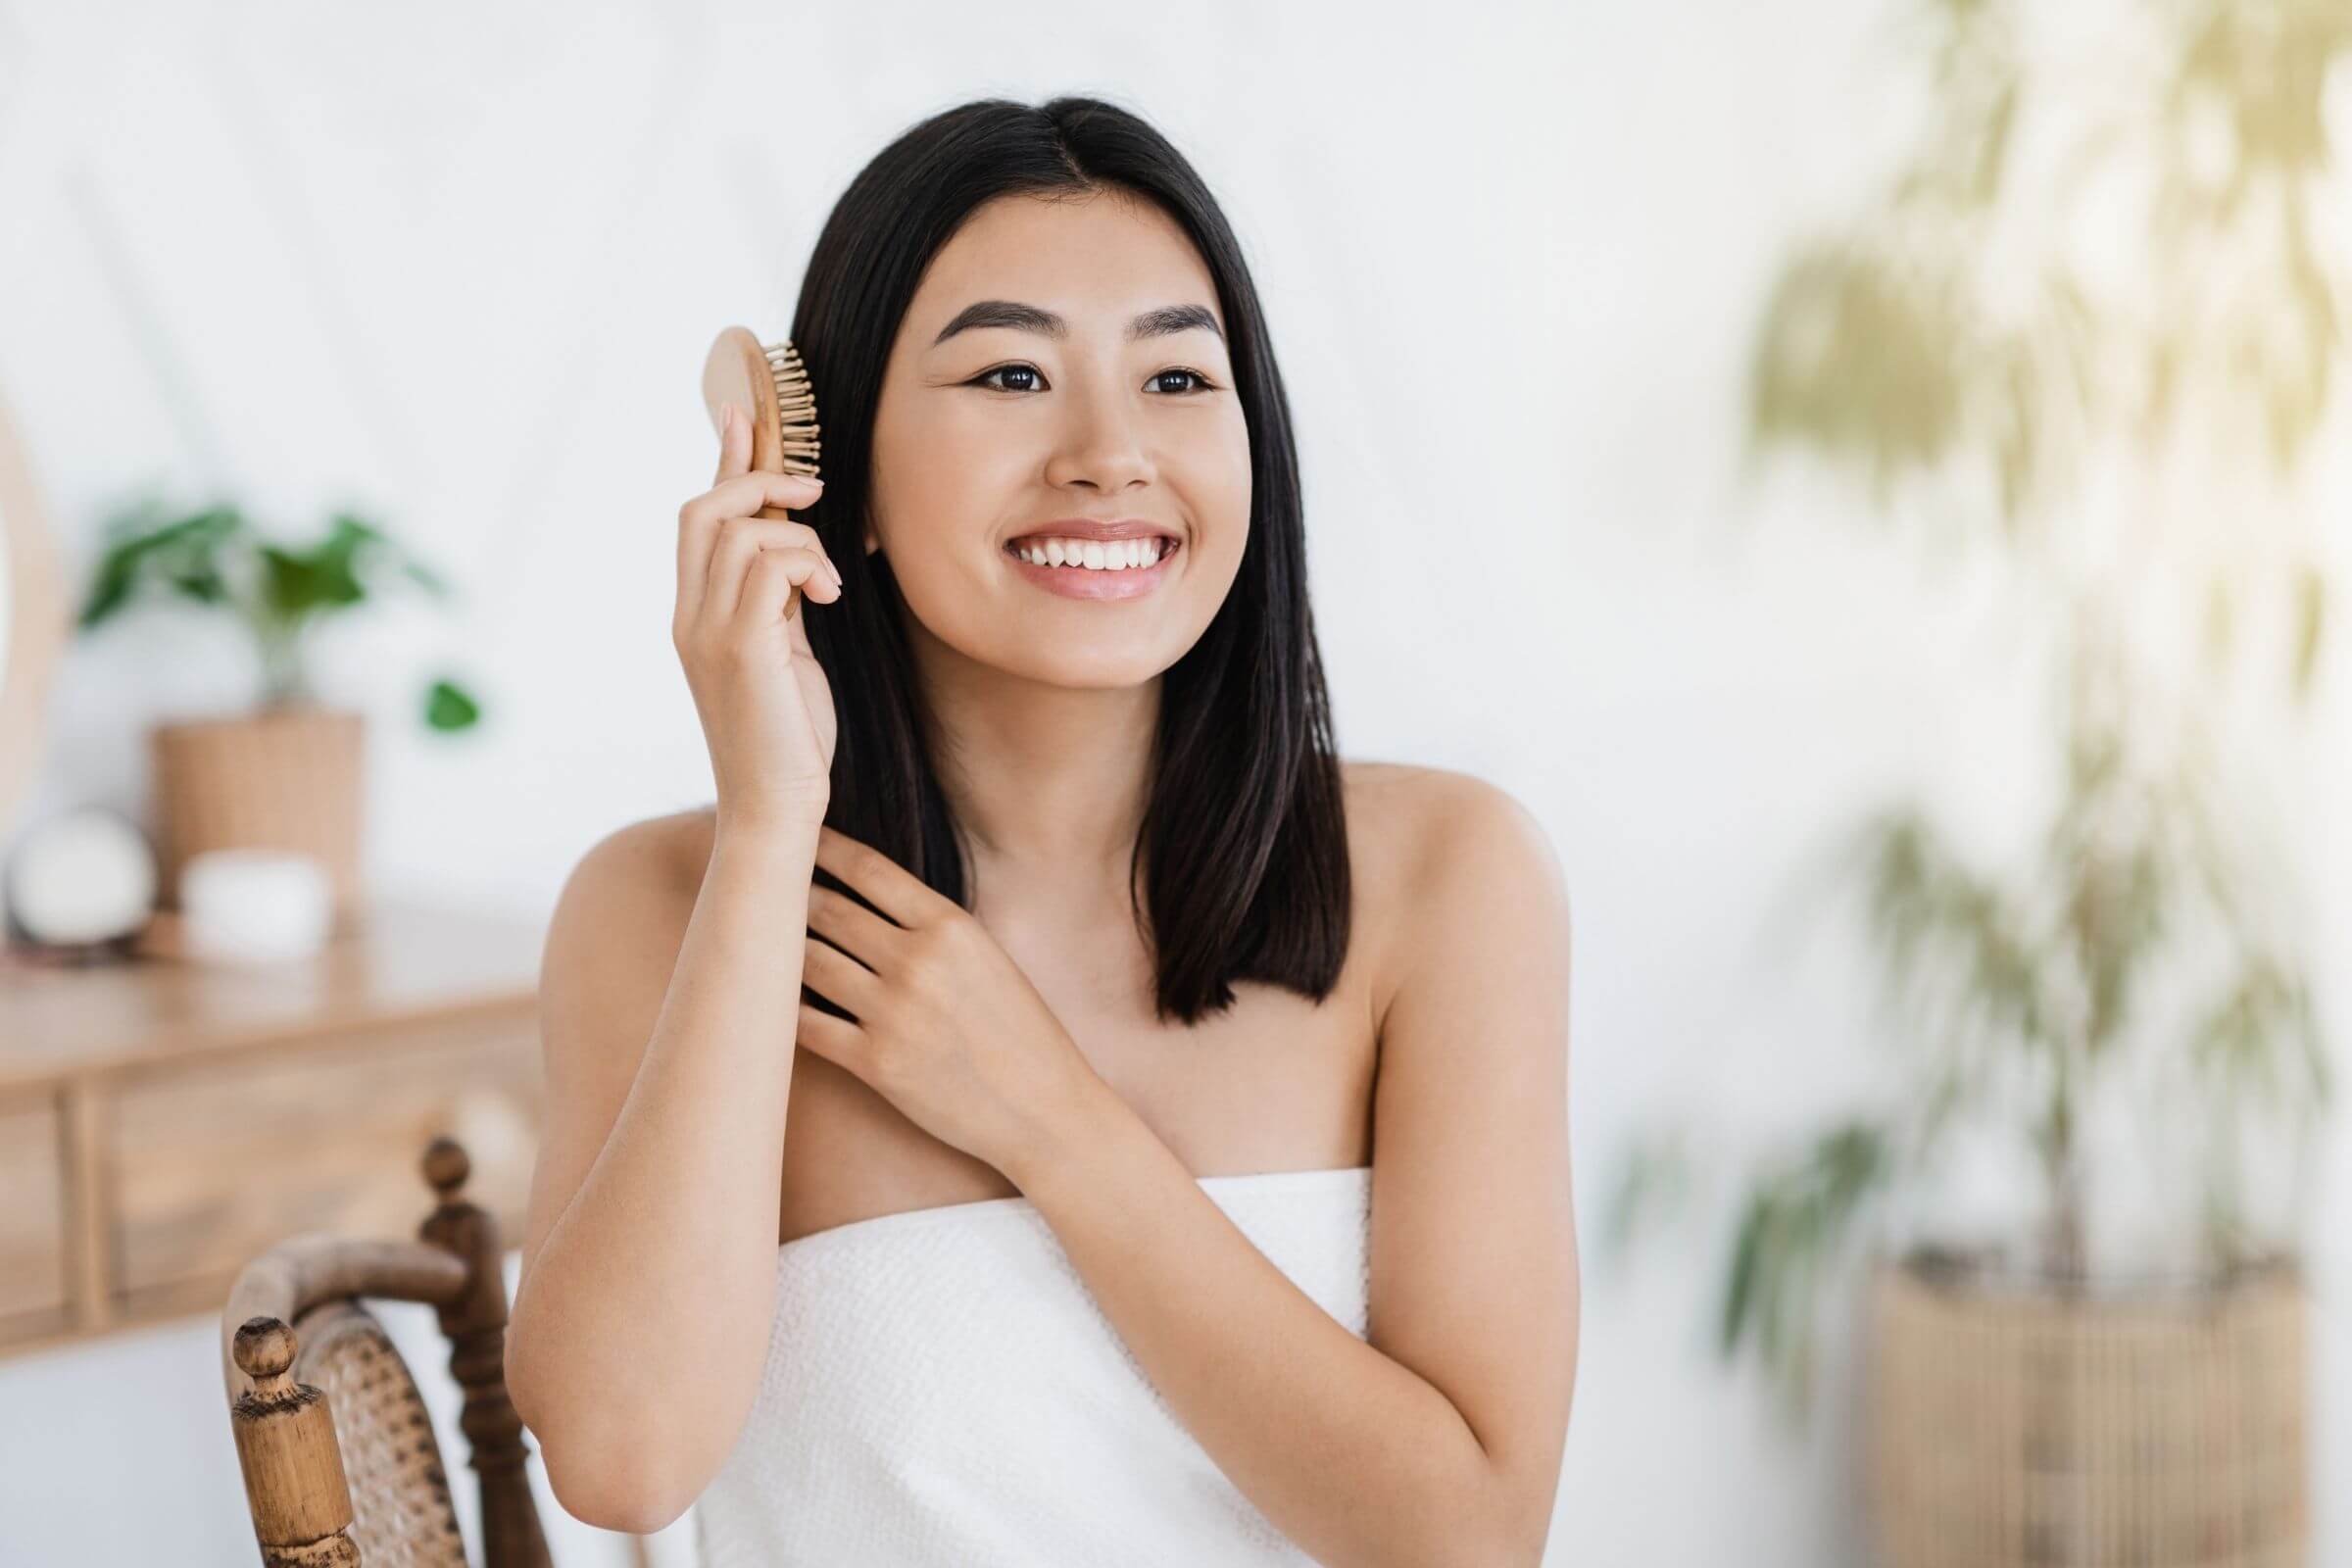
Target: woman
[[1123, 995]]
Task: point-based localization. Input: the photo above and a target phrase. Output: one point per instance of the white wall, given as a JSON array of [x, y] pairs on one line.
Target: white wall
[[459, 264]]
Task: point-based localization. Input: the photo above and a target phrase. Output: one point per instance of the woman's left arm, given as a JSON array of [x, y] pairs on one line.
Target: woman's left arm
[[1439, 1440]]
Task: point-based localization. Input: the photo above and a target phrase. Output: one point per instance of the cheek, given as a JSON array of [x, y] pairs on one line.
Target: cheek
[[938, 478], [1222, 482]]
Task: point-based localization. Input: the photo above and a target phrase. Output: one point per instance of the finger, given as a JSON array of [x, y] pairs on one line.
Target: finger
[[853, 928], [734, 443], [743, 541], [740, 542], [839, 978], [696, 536], [877, 878], [796, 630], [744, 494], [777, 531], [698, 520], [768, 582], [711, 580], [838, 1039]]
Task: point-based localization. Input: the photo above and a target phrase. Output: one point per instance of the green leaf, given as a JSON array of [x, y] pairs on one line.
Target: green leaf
[[108, 594], [356, 537], [448, 706], [1855, 358], [1651, 1180], [2311, 623], [1739, 1289], [1992, 154], [302, 584], [182, 555], [202, 582]]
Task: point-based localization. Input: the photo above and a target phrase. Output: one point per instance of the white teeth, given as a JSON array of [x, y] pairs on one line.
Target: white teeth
[[1095, 554]]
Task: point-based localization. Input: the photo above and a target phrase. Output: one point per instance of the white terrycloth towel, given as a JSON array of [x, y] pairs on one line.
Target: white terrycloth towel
[[942, 1389]]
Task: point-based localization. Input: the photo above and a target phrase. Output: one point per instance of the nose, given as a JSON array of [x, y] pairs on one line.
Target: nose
[[1100, 448]]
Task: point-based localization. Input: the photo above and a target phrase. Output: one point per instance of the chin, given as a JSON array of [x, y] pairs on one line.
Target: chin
[[1099, 668]]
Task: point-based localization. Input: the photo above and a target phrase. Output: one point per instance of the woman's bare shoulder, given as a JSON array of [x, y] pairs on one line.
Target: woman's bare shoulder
[[613, 941], [655, 859], [1386, 804], [1401, 801], [1391, 806], [1398, 816], [1372, 775], [629, 899]]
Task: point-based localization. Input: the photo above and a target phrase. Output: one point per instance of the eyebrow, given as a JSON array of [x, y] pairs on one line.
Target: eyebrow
[[1160, 322]]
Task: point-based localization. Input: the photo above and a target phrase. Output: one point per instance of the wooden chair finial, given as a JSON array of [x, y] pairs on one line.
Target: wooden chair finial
[[447, 1165], [265, 1350]]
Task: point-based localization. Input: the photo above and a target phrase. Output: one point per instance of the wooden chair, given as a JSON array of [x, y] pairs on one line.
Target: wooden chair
[[338, 1453]]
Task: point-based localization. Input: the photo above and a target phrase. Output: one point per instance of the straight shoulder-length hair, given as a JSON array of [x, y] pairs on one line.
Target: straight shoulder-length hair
[[1243, 852]]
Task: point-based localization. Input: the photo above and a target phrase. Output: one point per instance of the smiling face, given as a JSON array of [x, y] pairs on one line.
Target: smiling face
[[1061, 358]]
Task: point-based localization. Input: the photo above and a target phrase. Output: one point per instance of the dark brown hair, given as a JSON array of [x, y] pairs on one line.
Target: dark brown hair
[[1243, 844]]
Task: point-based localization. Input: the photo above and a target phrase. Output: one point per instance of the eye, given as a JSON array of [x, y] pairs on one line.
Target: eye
[[986, 378], [1202, 382]]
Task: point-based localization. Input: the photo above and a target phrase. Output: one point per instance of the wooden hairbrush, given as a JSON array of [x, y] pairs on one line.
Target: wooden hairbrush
[[769, 382]]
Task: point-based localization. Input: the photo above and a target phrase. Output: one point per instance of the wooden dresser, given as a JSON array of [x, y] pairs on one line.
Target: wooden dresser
[[161, 1123]]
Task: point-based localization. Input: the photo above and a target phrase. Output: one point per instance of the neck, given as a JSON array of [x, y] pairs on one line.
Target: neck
[[1049, 782]]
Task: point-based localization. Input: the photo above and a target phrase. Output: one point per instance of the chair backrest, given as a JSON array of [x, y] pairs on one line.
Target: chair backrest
[[338, 1454]]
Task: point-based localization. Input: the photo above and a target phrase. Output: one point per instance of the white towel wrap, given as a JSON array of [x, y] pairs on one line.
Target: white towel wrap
[[941, 1389]]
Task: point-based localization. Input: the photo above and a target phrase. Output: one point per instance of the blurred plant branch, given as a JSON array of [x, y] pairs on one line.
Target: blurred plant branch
[[215, 557], [1957, 340]]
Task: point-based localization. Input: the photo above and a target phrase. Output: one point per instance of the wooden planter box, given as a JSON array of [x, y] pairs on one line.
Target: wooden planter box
[[286, 778]]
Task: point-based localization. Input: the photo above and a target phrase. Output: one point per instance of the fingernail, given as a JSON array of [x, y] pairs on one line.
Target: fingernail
[[836, 571]]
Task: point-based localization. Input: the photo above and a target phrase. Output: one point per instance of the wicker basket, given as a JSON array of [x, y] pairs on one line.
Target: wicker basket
[[286, 778], [2017, 1428]]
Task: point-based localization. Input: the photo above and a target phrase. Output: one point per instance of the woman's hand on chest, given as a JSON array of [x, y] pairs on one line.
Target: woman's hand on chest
[[943, 1023]]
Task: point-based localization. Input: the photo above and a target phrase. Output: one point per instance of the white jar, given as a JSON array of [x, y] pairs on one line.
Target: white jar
[[251, 905]]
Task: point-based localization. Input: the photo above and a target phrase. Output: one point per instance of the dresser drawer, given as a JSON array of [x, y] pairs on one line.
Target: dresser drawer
[[209, 1166], [32, 1224]]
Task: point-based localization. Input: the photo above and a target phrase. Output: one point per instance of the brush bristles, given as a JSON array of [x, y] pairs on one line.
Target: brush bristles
[[796, 404]]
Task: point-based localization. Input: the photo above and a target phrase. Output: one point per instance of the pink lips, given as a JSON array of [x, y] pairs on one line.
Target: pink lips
[[1081, 582]]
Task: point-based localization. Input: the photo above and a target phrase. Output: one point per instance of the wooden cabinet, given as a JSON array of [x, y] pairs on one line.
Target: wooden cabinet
[[161, 1122], [32, 1220]]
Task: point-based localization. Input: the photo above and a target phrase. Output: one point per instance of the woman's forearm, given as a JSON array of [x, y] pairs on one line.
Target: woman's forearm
[[1349, 1452], [645, 1321]]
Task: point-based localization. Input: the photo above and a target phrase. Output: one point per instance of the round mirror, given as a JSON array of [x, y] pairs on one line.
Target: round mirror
[[33, 622]]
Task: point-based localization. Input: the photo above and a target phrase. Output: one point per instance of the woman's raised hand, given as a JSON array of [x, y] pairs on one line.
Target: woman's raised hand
[[765, 707]]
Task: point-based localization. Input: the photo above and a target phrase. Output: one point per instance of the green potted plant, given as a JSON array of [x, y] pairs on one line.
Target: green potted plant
[[289, 773], [2120, 1377]]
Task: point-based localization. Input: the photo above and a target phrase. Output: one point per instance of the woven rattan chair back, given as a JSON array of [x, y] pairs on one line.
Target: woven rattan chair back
[[340, 1463]]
